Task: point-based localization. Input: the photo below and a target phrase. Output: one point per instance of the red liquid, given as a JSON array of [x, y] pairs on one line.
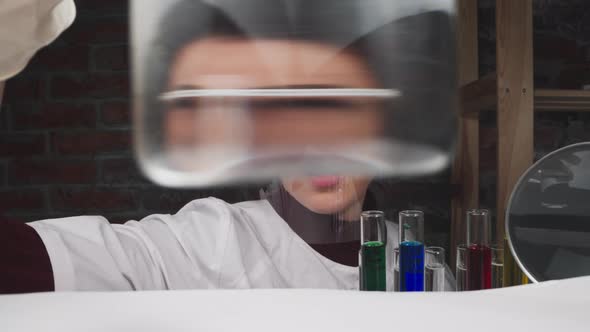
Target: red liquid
[[479, 267]]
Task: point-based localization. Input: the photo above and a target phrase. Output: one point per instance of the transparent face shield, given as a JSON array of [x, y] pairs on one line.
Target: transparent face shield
[[234, 91]]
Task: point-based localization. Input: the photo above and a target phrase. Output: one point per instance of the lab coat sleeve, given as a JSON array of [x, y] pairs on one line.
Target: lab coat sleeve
[[181, 251], [89, 254]]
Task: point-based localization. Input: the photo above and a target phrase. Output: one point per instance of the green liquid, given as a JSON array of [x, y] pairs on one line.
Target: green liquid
[[372, 268]]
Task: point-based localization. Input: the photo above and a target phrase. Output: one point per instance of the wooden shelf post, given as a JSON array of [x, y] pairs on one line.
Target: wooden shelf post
[[466, 167], [514, 61]]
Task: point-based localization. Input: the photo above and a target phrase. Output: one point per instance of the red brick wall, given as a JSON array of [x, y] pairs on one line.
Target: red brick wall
[[65, 140], [65, 131]]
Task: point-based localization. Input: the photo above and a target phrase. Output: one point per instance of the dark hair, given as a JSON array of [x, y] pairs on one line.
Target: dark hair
[[414, 54]]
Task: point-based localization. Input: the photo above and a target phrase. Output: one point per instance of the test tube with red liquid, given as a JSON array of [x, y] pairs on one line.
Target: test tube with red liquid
[[479, 254]]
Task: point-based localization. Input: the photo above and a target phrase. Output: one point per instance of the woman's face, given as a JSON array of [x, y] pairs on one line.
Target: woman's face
[[222, 63], [342, 195]]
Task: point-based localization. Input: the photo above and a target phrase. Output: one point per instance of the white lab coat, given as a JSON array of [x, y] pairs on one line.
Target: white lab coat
[[207, 244], [28, 25]]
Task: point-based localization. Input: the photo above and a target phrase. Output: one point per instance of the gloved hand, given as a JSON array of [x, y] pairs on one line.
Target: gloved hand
[[28, 25]]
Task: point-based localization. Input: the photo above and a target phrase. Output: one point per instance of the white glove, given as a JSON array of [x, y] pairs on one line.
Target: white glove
[[28, 25]]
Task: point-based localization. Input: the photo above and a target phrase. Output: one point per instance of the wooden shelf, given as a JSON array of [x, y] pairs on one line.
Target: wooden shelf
[[562, 100], [481, 95]]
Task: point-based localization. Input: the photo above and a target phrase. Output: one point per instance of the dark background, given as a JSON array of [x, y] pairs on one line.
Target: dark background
[[561, 41], [65, 139]]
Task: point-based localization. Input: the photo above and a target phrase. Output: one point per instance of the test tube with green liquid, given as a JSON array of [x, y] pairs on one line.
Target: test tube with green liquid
[[372, 256]]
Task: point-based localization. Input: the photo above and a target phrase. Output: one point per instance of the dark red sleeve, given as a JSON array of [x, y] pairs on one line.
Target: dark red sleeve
[[24, 263]]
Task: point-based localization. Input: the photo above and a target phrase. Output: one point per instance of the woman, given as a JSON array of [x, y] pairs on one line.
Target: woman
[[304, 234]]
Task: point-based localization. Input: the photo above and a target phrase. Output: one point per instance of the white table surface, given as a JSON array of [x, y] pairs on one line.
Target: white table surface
[[550, 306]]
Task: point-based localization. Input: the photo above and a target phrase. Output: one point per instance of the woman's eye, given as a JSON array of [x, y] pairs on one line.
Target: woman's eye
[[302, 104], [184, 103]]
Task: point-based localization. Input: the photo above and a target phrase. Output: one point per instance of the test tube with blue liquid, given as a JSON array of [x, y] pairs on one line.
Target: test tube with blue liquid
[[372, 258], [411, 251]]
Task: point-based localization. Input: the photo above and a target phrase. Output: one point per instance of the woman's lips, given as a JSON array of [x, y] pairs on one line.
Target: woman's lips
[[323, 182]]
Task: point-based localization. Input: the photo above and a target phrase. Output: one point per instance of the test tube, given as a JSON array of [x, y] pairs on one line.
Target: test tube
[[396, 269], [513, 275], [434, 269], [360, 269], [372, 256], [461, 268], [411, 251], [497, 266], [479, 254]]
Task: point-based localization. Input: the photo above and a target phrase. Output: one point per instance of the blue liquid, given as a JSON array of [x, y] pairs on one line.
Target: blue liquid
[[411, 266]]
